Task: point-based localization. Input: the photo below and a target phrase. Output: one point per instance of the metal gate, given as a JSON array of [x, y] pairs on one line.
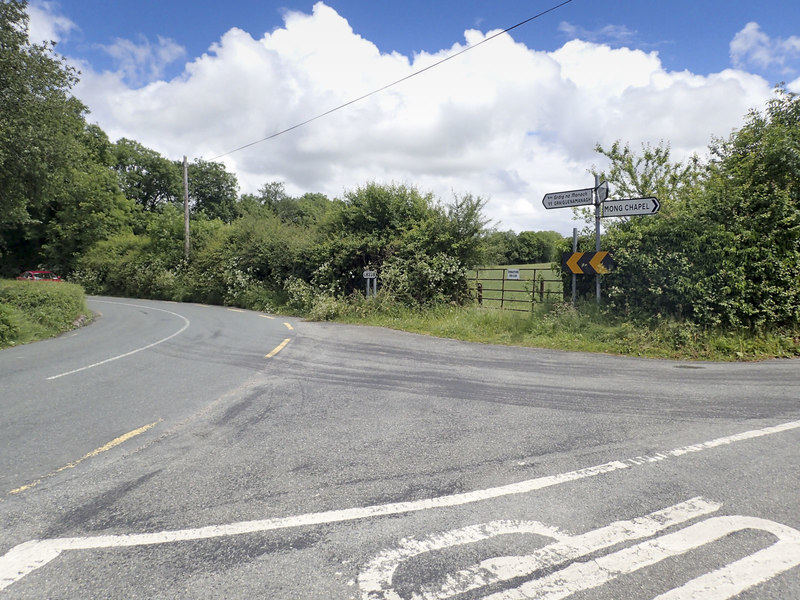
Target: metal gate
[[516, 288]]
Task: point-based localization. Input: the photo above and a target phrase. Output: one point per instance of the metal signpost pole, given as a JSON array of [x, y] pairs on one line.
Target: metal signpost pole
[[574, 277], [597, 232]]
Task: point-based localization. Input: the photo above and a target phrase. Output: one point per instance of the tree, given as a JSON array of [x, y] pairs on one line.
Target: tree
[[88, 207], [58, 194], [651, 173], [146, 177], [501, 248], [753, 193], [306, 210], [38, 122], [212, 190]]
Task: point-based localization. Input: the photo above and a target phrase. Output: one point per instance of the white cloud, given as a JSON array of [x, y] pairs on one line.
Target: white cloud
[[617, 34], [45, 25], [503, 121], [143, 61], [752, 47]]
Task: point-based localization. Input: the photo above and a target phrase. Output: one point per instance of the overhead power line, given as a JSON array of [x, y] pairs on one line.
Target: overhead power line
[[394, 83]]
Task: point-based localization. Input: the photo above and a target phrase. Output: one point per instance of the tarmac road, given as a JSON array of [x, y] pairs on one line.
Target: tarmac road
[[183, 451]]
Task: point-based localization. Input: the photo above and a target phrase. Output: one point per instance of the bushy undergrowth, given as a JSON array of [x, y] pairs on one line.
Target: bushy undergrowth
[[35, 310]]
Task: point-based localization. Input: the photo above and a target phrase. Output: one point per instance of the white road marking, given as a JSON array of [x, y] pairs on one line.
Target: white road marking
[[721, 584], [29, 556], [375, 581], [147, 347]]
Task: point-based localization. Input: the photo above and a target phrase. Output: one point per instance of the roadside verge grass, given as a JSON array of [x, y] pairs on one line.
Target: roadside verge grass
[[587, 328], [35, 310]]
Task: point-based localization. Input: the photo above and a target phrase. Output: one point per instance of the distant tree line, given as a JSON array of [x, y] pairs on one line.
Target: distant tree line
[[526, 247]]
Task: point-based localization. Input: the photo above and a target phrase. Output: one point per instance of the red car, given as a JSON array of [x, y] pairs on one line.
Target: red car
[[39, 276]]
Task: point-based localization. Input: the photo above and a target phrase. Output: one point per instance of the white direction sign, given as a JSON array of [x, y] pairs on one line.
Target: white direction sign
[[631, 207], [370, 274], [567, 199]]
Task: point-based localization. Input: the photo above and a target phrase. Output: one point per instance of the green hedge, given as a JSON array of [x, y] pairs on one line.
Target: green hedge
[[35, 310]]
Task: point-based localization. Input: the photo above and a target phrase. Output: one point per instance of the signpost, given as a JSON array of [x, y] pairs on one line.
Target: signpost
[[631, 207], [371, 277], [567, 199], [598, 262]]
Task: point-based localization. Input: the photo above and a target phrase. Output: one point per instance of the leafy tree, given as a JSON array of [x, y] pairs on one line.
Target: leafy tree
[[38, 122], [308, 210], [501, 248], [419, 246], [88, 207], [212, 190], [650, 173], [146, 177], [753, 193]]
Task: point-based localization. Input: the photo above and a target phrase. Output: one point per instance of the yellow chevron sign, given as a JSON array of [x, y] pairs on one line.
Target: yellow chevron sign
[[587, 263], [572, 263], [596, 262]]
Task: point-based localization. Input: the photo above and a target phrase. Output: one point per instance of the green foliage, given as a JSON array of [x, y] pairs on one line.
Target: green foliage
[[212, 190], [146, 177], [420, 248], [9, 326], [35, 310], [509, 248], [425, 280], [728, 251], [37, 115], [57, 195], [650, 173]]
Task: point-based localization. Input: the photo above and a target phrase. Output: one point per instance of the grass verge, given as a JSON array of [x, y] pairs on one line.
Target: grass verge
[[31, 311], [584, 329]]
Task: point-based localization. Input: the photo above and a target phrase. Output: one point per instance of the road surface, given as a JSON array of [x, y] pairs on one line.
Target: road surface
[[186, 451]]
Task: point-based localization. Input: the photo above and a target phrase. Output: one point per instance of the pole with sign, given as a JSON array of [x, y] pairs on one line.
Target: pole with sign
[[371, 277], [631, 207], [596, 262]]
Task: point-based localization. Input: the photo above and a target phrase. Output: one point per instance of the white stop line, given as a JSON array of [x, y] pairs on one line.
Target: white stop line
[[29, 556], [567, 574]]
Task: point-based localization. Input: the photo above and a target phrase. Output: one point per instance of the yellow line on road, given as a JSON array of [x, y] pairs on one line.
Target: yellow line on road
[[280, 347], [113, 443], [288, 326], [266, 316], [235, 310]]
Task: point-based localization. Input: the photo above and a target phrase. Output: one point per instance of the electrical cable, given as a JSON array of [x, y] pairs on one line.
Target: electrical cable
[[394, 83]]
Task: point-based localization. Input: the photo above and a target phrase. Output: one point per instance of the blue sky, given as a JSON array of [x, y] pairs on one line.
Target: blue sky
[[687, 34], [510, 120]]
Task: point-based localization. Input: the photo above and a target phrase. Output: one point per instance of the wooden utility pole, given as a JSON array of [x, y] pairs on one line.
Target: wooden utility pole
[[186, 241]]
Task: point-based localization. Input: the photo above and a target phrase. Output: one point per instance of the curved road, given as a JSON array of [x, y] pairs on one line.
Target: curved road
[[186, 451]]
